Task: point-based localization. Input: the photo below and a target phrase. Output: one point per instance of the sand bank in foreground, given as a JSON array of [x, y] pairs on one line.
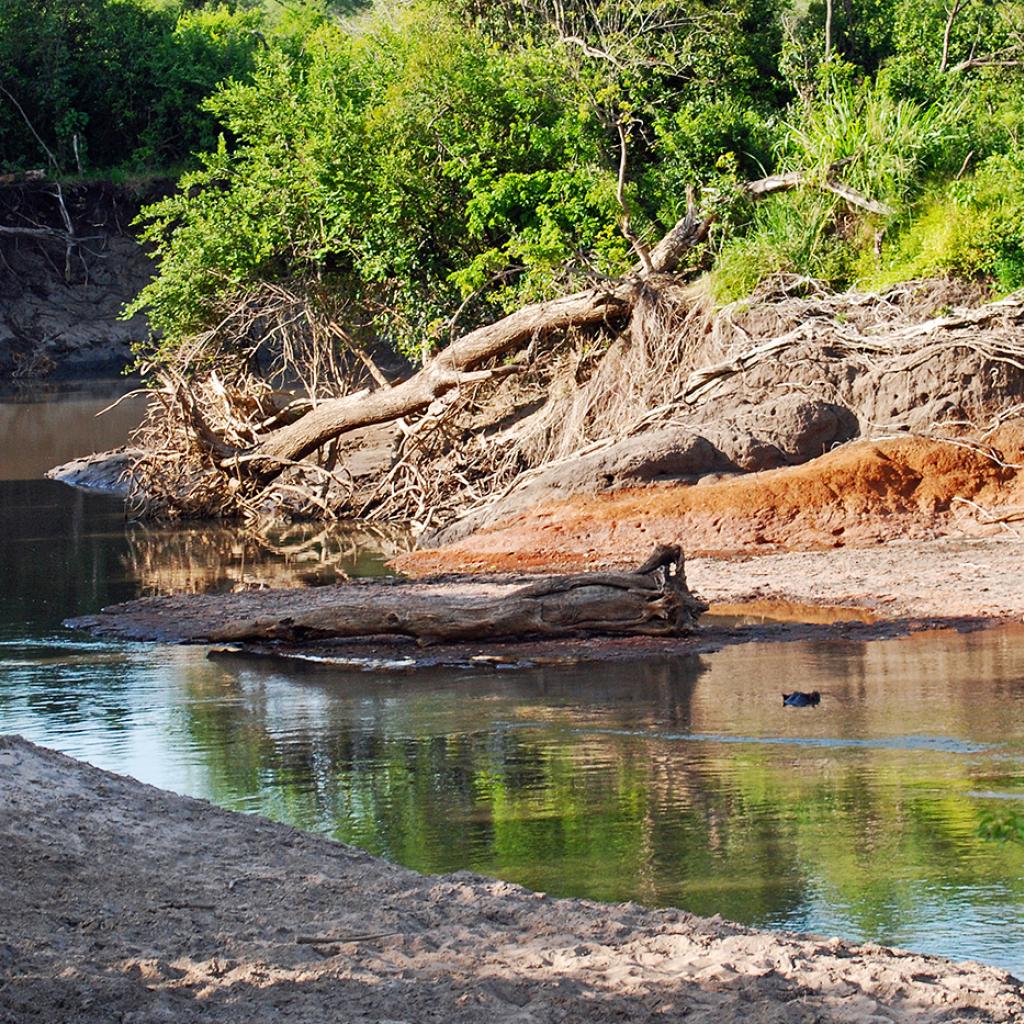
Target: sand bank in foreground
[[126, 903]]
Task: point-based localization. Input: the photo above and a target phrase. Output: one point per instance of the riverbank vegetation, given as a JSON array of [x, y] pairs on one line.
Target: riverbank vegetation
[[544, 205], [468, 158], [116, 88]]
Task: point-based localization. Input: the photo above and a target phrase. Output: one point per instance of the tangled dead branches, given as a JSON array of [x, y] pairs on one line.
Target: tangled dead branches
[[674, 360], [583, 388], [273, 352], [599, 360]]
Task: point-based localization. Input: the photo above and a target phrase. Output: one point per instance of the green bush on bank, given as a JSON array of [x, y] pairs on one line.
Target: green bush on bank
[[419, 164], [972, 227], [426, 161], [855, 131], [405, 165]]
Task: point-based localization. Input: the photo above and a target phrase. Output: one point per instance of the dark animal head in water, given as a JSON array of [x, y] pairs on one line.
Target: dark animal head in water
[[799, 699]]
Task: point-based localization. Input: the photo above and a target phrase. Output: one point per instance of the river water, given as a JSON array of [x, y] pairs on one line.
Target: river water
[[679, 780]]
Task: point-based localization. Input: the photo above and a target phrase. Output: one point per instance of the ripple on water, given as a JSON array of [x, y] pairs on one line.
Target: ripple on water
[[940, 744]]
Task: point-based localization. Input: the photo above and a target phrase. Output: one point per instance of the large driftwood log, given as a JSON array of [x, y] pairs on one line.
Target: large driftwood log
[[653, 601]]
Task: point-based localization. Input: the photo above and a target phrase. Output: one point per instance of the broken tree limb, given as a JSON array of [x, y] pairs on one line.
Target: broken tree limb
[[656, 602], [456, 365], [36, 233], [626, 220], [68, 238], [47, 234], [798, 179], [32, 128], [858, 199], [688, 232]]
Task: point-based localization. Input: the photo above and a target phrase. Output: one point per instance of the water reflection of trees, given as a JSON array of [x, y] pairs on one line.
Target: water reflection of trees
[[571, 781], [59, 552], [589, 812], [204, 557]]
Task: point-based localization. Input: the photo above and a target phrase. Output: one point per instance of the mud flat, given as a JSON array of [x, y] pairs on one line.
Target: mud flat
[[127, 903]]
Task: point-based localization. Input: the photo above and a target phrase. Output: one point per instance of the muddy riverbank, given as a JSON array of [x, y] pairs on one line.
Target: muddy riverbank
[[128, 903], [900, 528], [862, 594], [61, 303], [860, 495]]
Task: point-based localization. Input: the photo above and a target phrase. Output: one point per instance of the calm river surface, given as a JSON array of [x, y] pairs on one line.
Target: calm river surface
[[676, 781]]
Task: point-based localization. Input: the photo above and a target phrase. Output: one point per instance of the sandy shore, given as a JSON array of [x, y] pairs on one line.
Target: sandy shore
[[948, 577], [127, 903], [952, 577]]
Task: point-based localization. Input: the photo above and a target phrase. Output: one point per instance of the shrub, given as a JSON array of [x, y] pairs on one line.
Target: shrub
[[973, 227], [406, 165], [120, 83], [887, 148]]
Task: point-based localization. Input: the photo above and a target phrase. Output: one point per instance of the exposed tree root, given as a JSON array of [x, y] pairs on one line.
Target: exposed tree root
[[480, 433]]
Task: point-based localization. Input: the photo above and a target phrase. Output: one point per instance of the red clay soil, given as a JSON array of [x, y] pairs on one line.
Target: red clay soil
[[863, 493]]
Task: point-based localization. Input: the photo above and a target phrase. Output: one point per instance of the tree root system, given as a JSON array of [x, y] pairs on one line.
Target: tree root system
[[615, 388]]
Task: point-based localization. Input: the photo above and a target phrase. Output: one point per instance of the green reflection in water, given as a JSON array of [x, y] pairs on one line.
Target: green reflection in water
[[65, 552], [680, 781], [596, 782]]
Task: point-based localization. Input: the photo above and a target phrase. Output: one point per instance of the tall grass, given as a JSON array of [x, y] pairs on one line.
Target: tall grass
[[887, 148], [892, 145], [972, 228]]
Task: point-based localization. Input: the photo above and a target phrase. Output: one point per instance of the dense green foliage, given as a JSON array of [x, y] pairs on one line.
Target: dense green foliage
[[936, 138], [424, 160], [971, 227], [91, 85], [421, 166], [400, 164]]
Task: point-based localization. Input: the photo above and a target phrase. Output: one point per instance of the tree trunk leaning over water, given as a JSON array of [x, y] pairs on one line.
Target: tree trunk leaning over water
[[450, 368], [652, 601]]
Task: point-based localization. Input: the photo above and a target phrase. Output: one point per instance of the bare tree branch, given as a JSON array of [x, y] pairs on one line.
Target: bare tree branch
[[31, 128], [952, 12], [855, 198], [986, 62], [625, 222]]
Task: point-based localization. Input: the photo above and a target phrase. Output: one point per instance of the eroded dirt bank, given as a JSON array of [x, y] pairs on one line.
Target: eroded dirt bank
[[906, 526], [60, 304], [127, 903]]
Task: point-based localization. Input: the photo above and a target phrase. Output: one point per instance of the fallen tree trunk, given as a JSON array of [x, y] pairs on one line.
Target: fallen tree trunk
[[451, 368], [212, 456], [653, 601], [458, 363]]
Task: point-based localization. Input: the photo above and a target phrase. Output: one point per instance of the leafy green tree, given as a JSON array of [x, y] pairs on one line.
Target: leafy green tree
[[406, 168], [433, 166]]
